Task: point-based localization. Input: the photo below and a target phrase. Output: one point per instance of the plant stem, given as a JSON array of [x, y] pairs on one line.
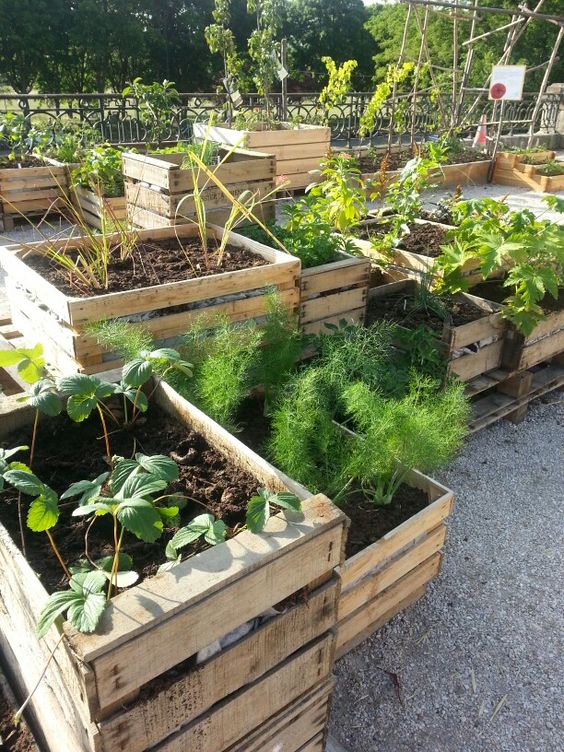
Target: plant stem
[[18, 714], [20, 522], [115, 562], [105, 429], [57, 554], [33, 437]]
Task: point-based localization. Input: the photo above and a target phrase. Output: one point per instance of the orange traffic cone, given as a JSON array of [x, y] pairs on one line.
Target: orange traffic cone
[[481, 137]]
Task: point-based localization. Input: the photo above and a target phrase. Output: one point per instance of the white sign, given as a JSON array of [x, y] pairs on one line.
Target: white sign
[[507, 82], [281, 72]]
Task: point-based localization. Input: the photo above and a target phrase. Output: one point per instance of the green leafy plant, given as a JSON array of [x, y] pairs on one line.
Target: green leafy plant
[[101, 170], [395, 75], [30, 362], [551, 168], [339, 198], [337, 87], [14, 131], [156, 102], [263, 47], [259, 507]]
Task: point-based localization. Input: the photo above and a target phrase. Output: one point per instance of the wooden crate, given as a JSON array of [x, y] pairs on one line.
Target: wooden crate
[[542, 344], [92, 206], [490, 330], [504, 394], [32, 191], [393, 572], [297, 149], [86, 703], [299, 727], [332, 292], [510, 170], [43, 313], [159, 192]]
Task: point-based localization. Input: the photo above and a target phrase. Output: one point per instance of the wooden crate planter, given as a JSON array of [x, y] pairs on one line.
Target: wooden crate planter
[[297, 149], [32, 191], [545, 342], [417, 265], [92, 207], [386, 577], [449, 176], [42, 313], [489, 329], [158, 191], [510, 170], [87, 701], [332, 292]]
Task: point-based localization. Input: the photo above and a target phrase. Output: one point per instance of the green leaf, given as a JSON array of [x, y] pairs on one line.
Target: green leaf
[[79, 407], [212, 530], [79, 384], [86, 489], [286, 500], [159, 466], [137, 372], [136, 397], [30, 362], [125, 562], [123, 468], [25, 481], [140, 517], [43, 512], [43, 396], [99, 508], [258, 511], [141, 485], [5, 455], [83, 602]]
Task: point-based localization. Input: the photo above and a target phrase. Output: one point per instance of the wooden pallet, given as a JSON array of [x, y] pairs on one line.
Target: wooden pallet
[[505, 394]]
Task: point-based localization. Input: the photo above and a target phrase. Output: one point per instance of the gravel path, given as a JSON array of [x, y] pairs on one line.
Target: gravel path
[[479, 658]]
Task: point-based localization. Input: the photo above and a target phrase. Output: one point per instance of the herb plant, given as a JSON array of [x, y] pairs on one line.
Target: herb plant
[[156, 102], [101, 170]]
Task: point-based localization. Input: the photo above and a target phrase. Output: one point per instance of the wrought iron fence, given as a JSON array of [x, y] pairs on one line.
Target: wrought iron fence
[[117, 119]]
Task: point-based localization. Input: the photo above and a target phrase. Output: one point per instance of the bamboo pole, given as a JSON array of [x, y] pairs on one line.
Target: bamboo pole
[[400, 62], [525, 12], [466, 71], [433, 80], [454, 66], [544, 84], [416, 81]]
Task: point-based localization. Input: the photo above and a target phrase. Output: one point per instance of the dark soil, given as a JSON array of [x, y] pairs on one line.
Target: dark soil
[[425, 239], [13, 739], [397, 160], [67, 452], [494, 290], [150, 264], [401, 308], [13, 164], [370, 522]]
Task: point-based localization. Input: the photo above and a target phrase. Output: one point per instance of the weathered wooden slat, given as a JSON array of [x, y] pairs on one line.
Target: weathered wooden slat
[[372, 615], [229, 722], [149, 721]]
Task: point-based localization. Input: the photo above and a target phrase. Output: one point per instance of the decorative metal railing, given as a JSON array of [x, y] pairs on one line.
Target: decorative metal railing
[[117, 119]]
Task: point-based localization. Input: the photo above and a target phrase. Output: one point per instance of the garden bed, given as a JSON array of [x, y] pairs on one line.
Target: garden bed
[[392, 552], [99, 211], [297, 149], [526, 171], [158, 191], [13, 738], [468, 167], [102, 693], [34, 189], [416, 251], [58, 315], [545, 341], [470, 336]]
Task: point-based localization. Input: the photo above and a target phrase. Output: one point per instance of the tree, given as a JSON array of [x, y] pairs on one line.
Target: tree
[[26, 39], [334, 28]]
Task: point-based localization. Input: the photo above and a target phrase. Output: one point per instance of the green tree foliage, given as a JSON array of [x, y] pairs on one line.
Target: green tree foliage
[[386, 27]]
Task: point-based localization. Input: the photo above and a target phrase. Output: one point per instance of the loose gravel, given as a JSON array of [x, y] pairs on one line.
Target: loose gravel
[[478, 660]]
